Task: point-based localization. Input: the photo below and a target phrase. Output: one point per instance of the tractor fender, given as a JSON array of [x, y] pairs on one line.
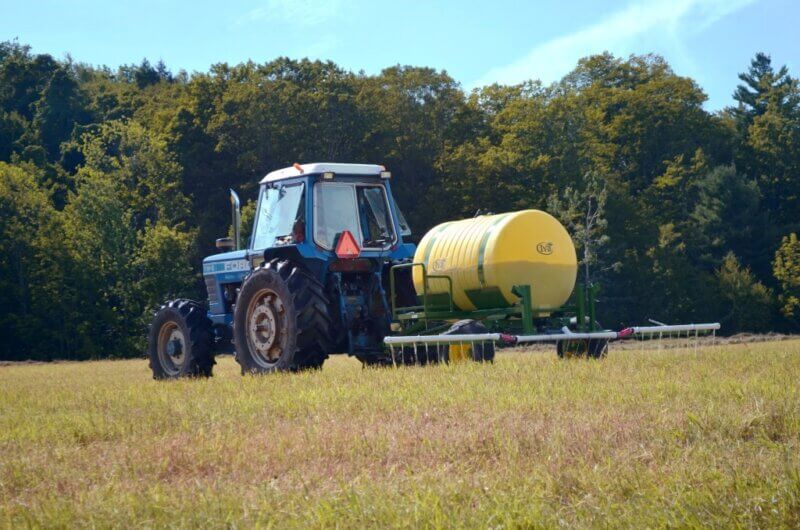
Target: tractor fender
[[292, 253]]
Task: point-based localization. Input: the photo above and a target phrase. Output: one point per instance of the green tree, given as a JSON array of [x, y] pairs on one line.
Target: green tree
[[768, 124], [59, 109], [128, 235], [208, 170], [412, 116], [762, 84], [101, 243], [12, 127], [728, 217], [746, 305], [787, 271], [774, 142], [145, 75], [23, 77], [669, 286], [162, 265], [248, 218], [141, 163], [582, 212], [34, 290]]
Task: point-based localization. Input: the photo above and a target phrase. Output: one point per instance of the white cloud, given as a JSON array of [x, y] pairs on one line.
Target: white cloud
[[298, 12], [634, 29]]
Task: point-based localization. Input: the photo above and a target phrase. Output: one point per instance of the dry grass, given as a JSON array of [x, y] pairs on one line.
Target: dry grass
[[655, 439]]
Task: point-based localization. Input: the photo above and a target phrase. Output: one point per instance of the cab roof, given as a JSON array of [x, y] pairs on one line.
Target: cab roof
[[321, 167]]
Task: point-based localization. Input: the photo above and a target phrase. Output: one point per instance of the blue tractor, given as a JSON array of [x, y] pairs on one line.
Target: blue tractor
[[313, 279]]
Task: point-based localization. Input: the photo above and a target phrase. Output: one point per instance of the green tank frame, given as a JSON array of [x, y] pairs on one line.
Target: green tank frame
[[437, 310]]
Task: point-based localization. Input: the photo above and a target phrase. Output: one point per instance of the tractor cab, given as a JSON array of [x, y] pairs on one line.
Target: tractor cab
[[316, 203]]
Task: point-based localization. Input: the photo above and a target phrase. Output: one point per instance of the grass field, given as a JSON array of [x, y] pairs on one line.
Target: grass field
[[656, 439]]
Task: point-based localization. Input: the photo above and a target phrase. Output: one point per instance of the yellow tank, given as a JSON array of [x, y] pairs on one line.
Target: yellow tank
[[486, 256]]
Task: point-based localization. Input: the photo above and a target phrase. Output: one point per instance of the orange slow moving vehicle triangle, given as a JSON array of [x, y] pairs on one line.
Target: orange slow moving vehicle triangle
[[347, 248]]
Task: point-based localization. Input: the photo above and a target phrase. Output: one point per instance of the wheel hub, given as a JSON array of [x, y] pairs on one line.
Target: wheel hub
[[171, 348], [264, 327], [174, 348]]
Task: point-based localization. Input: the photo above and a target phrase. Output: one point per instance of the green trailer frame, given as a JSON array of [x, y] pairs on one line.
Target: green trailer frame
[[436, 311]]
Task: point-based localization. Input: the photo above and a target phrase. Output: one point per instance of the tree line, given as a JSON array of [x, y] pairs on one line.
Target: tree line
[[113, 183]]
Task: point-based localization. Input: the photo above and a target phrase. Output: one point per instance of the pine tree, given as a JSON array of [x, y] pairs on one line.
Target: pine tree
[[761, 83], [58, 110], [768, 125], [146, 75]]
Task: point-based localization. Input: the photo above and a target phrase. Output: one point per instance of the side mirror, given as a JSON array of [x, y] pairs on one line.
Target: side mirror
[[225, 244], [236, 215]]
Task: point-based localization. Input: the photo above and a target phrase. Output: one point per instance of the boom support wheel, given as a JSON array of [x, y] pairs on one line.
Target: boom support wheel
[[591, 348], [477, 352]]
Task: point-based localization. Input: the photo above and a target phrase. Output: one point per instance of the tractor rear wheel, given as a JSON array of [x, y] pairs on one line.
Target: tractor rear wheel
[[281, 320], [179, 342]]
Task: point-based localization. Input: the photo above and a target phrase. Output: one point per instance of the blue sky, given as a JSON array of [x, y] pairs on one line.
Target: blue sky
[[476, 42]]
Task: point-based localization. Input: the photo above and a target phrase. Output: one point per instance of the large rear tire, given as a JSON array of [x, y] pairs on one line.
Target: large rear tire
[[281, 320], [179, 341]]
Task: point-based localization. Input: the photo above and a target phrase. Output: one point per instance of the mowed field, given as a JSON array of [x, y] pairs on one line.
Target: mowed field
[[641, 439]]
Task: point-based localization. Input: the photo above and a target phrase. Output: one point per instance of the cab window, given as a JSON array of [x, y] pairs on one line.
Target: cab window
[[361, 209], [376, 223], [405, 229], [280, 219]]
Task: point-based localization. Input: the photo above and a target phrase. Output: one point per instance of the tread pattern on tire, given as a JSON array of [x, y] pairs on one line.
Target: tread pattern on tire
[[591, 349], [480, 352], [312, 318], [199, 338]]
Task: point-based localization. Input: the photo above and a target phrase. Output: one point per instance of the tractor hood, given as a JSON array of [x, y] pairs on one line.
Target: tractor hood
[[235, 262], [220, 270]]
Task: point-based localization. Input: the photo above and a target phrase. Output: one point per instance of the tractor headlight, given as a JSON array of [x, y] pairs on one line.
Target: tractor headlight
[[328, 175]]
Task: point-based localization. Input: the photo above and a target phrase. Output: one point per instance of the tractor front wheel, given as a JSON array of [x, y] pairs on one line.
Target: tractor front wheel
[[281, 320], [179, 342]]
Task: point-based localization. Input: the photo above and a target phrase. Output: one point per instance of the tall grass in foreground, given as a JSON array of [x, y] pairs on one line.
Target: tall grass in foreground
[[656, 439]]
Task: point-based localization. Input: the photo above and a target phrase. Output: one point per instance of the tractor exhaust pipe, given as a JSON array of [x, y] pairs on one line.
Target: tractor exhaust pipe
[[236, 215]]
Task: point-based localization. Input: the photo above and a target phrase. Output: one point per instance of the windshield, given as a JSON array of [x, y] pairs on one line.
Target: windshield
[[280, 219], [361, 209]]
